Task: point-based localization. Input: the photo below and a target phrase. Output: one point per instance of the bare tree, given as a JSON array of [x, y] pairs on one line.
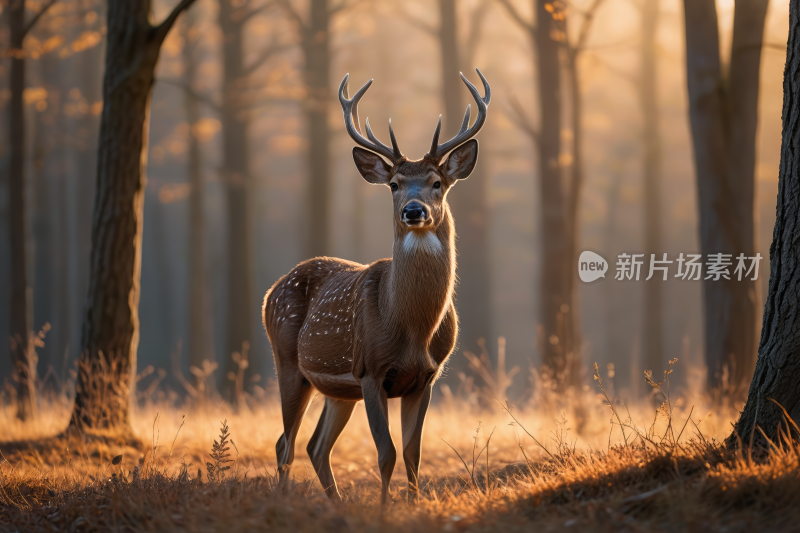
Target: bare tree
[[236, 176], [572, 54], [89, 82], [45, 201], [555, 316], [236, 117], [313, 34], [110, 335], [558, 302], [652, 337], [774, 386], [724, 116], [23, 355], [199, 338]]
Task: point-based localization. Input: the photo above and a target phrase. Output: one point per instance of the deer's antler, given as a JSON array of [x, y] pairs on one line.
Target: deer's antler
[[350, 109], [440, 150]]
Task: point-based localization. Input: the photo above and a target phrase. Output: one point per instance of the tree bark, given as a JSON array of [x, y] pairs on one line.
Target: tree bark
[[198, 345], [652, 336], [554, 286], [452, 86], [723, 117], [20, 329], [59, 338], [778, 367], [159, 262], [238, 186], [43, 213], [90, 84], [110, 334], [468, 201], [316, 71], [572, 337]]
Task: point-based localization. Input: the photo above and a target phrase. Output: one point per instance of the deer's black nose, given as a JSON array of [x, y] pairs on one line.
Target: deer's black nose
[[414, 212]]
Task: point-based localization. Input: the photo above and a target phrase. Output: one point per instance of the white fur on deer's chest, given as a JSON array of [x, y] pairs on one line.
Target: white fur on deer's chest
[[422, 242]]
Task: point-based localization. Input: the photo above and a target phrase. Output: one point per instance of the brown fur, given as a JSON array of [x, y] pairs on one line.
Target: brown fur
[[371, 332]]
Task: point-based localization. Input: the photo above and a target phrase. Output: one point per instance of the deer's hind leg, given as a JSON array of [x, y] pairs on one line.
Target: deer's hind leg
[[335, 416], [296, 393]]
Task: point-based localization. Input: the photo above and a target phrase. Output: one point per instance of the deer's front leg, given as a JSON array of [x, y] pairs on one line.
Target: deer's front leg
[[413, 409], [377, 406]]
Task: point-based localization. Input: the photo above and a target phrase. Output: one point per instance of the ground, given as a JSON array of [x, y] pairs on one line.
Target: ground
[[582, 476]]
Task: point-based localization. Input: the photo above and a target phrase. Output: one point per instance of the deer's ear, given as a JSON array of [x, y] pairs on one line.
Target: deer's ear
[[461, 161], [371, 166]]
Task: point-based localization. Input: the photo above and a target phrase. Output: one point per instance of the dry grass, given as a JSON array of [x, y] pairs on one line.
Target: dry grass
[[546, 472]]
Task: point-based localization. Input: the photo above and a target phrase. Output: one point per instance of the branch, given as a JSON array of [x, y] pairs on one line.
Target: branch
[[627, 76], [286, 5], [181, 84], [624, 43], [255, 11], [160, 32], [420, 24], [512, 11], [774, 46], [36, 18], [266, 53], [342, 5], [759, 46], [475, 30], [588, 17], [257, 105], [521, 120]]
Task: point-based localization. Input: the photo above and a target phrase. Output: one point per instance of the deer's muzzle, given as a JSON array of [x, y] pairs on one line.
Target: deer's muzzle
[[415, 214]]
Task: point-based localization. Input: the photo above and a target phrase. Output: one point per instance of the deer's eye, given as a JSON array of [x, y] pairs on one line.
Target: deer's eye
[[393, 186], [437, 184]]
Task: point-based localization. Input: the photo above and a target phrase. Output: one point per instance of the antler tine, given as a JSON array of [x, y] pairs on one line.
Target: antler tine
[[356, 122], [396, 148], [465, 123], [350, 110], [395, 151], [436, 133], [464, 134]]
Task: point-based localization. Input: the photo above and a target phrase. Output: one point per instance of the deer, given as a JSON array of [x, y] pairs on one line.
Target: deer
[[355, 332]]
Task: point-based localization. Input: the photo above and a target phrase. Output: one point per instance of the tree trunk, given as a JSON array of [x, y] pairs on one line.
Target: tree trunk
[[159, 260], [20, 330], [572, 339], [62, 328], [723, 117], [616, 349], [59, 338], [554, 294], [198, 324], [652, 336], [110, 334], [452, 86], [316, 48], [742, 109], [778, 367], [43, 202], [468, 201], [236, 176], [90, 84]]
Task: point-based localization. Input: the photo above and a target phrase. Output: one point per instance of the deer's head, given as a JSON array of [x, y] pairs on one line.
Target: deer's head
[[419, 188]]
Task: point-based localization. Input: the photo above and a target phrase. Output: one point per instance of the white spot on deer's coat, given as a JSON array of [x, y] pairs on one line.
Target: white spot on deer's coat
[[426, 242]]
